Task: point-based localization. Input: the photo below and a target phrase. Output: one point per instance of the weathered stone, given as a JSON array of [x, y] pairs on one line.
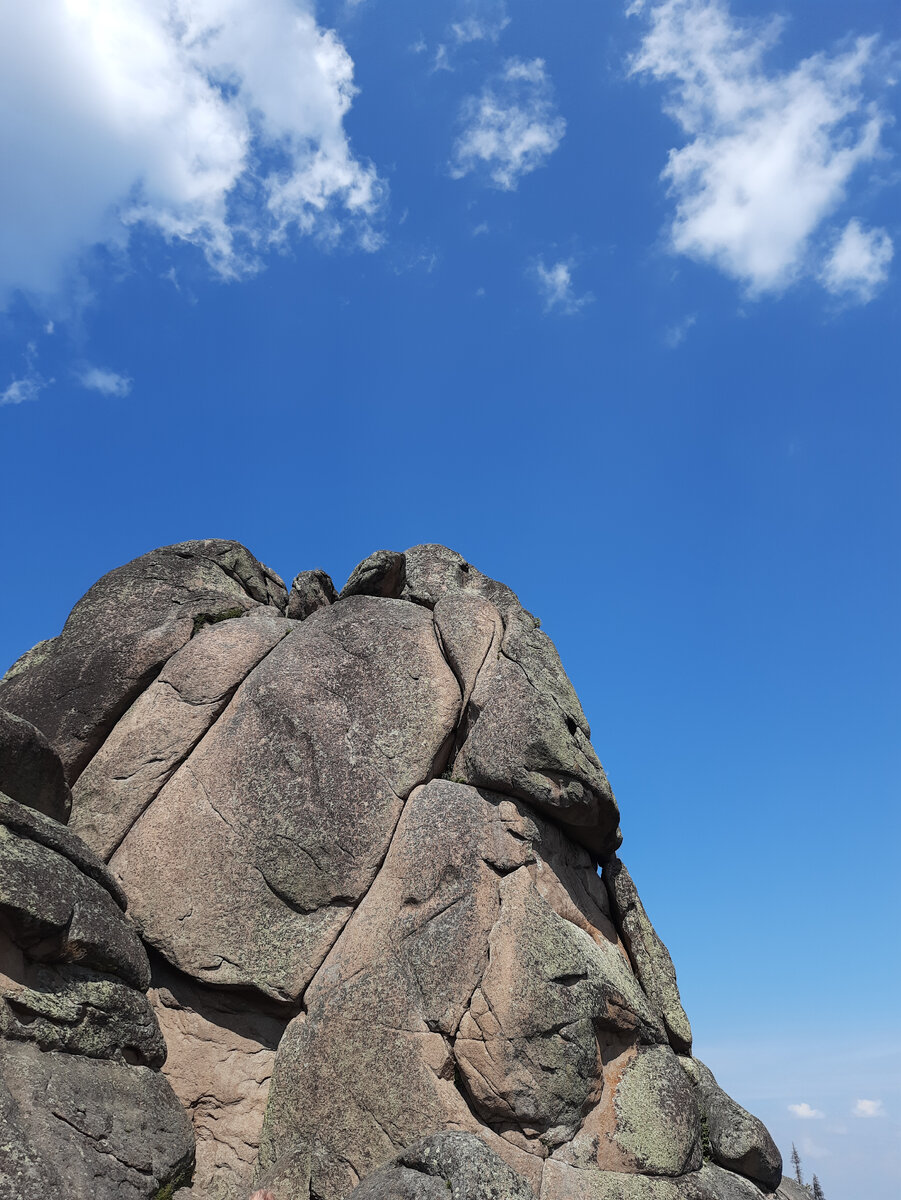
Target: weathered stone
[[85, 1112], [120, 633], [381, 574], [47, 832], [790, 1189], [470, 629], [292, 797], [434, 571], [527, 1047], [400, 1183], [58, 914], [74, 1009], [166, 722], [738, 1141], [524, 730], [505, 1045], [88, 1130], [650, 958], [30, 769], [446, 1166], [287, 1179], [563, 1182], [221, 1051], [518, 742], [447, 997], [310, 590], [723, 1185]]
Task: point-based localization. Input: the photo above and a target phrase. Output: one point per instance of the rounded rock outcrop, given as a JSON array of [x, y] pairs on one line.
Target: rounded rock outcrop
[[369, 949]]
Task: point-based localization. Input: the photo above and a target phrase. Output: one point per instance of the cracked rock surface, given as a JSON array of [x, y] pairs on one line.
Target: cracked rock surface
[[327, 918]]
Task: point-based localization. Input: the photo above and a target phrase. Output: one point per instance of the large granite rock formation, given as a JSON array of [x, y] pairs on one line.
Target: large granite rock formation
[[366, 949]]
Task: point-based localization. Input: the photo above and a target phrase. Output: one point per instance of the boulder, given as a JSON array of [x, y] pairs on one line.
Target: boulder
[[738, 1141], [446, 1166], [30, 769], [523, 731], [381, 574], [86, 1112], [649, 957], [117, 637], [59, 914], [309, 590], [88, 1130]]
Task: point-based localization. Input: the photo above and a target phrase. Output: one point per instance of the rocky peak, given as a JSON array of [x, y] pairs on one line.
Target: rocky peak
[[300, 892]]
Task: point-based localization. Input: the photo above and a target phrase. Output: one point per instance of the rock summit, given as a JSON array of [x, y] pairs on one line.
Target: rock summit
[[317, 894]]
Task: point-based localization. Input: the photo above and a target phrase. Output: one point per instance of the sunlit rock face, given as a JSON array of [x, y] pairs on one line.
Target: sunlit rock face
[[376, 922]]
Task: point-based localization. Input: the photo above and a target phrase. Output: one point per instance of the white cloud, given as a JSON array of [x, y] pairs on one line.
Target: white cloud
[[868, 1108], [108, 383], [858, 264], [485, 25], [769, 153], [217, 122], [512, 127], [27, 388], [805, 1112], [30, 384], [441, 61], [556, 286], [676, 334]]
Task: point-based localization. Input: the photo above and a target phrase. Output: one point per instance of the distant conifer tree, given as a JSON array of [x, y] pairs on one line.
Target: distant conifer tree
[[818, 1193], [796, 1163]]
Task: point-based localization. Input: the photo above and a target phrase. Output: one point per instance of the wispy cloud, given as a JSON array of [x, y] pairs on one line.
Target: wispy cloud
[[555, 283], [805, 1112], [29, 385], [769, 154], [868, 1108], [676, 334], [214, 122], [511, 128], [108, 383], [485, 24], [484, 21], [858, 264]]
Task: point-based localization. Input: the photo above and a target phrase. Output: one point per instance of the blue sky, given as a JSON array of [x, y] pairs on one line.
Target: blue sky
[[606, 300]]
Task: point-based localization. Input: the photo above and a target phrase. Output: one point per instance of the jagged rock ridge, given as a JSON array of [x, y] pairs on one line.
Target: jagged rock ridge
[[367, 949]]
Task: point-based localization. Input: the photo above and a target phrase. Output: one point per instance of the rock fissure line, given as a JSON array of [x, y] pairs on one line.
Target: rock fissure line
[[182, 759], [97, 1139]]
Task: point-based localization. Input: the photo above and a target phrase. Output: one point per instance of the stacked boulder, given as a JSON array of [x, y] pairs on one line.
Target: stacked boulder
[[367, 950]]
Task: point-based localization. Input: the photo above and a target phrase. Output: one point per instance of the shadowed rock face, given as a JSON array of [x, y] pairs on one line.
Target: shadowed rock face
[[360, 834], [84, 1109]]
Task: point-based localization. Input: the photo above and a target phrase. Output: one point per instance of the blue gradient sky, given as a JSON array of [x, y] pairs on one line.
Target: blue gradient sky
[[679, 443]]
